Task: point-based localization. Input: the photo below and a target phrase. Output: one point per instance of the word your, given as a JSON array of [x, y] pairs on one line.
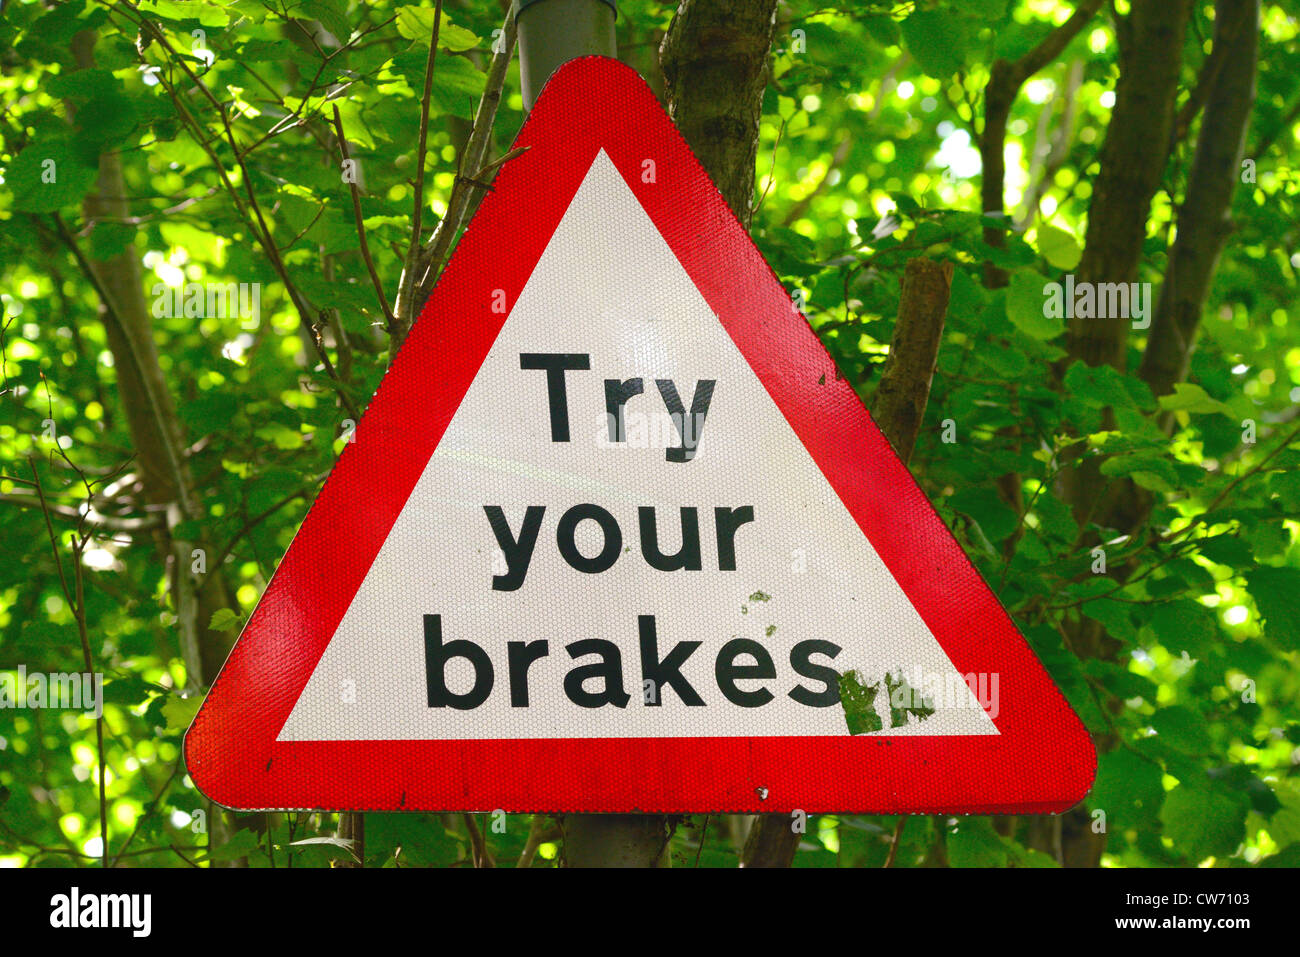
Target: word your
[[518, 552], [73, 692], [75, 910], [657, 671], [212, 300], [1102, 300]]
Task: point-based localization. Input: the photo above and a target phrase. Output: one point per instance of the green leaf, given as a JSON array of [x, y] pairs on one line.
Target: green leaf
[[421, 837], [1027, 307], [49, 175], [1127, 789], [1058, 247], [1203, 823], [1277, 596], [223, 619], [1022, 856], [1117, 679], [1239, 779], [242, 844], [332, 15], [1015, 255], [1149, 471], [82, 85], [974, 843], [1188, 397], [1115, 616], [179, 712], [1184, 625], [1288, 857], [996, 519], [416, 23], [128, 690], [1286, 486], [985, 9], [1284, 825], [110, 239], [937, 41], [457, 86], [1228, 550], [106, 121], [883, 30], [1098, 386], [1183, 729], [208, 14]]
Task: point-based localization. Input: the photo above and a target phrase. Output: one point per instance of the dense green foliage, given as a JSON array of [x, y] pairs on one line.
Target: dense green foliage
[[869, 113]]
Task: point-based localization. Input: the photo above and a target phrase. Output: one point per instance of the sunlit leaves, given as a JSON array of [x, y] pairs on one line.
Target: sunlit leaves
[[208, 14], [1058, 247], [223, 619], [416, 23], [1189, 397], [178, 712]]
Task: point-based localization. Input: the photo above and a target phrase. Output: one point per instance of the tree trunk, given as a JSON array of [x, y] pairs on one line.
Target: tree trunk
[[1205, 217], [1133, 159], [156, 433], [616, 840], [1132, 163], [714, 58], [157, 437]]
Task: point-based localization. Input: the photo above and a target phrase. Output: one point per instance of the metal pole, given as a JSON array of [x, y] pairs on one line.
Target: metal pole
[[552, 32]]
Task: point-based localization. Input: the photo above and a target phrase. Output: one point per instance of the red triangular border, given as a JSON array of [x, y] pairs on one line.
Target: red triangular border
[[1042, 759]]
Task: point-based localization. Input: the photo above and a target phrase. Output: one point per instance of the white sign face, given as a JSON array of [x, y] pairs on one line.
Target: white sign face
[[529, 588]]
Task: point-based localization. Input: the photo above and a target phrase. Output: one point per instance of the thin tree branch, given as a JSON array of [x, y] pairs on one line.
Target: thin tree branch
[[76, 598], [893, 844], [361, 226], [538, 834], [478, 847], [461, 202], [400, 327], [1208, 77]]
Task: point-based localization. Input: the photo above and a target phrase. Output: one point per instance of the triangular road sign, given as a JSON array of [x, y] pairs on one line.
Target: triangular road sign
[[526, 585]]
